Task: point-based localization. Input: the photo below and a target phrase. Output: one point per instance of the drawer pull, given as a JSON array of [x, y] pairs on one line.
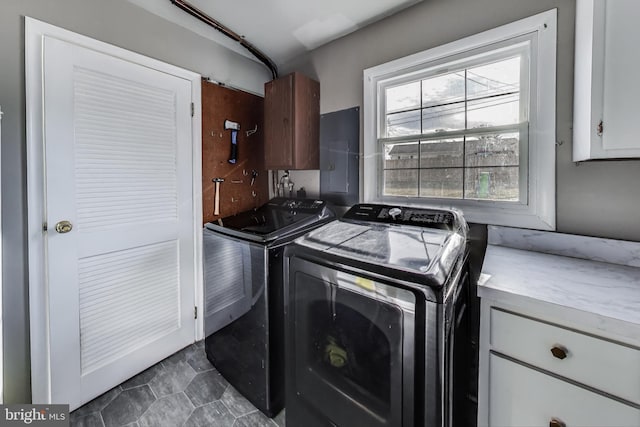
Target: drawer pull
[[559, 352], [556, 423]]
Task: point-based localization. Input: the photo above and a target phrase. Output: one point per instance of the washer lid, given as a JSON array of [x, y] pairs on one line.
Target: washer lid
[[277, 219], [421, 251]]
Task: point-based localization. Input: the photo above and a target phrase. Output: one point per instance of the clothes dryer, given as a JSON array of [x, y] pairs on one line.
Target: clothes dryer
[[375, 319]]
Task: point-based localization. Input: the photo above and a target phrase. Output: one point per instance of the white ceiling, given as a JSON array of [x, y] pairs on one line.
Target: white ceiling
[[282, 29]]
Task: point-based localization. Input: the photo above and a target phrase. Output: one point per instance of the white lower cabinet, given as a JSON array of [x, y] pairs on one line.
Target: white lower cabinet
[[523, 396], [536, 370], [598, 363], [559, 334]]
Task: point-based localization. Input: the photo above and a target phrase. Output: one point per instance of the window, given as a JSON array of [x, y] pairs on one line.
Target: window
[[457, 133], [469, 124]]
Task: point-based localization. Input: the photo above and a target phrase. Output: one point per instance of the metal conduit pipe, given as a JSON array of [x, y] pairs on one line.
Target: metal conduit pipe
[[197, 13]]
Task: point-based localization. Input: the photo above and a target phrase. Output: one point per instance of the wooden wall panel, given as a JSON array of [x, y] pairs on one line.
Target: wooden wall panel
[[236, 192]]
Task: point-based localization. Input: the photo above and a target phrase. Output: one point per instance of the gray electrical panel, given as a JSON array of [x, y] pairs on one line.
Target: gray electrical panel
[[339, 156]]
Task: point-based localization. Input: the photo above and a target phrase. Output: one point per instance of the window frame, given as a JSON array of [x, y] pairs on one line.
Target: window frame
[[537, 209], [522, 47]]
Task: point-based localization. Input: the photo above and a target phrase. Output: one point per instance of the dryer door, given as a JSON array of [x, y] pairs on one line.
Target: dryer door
[[350, 348]]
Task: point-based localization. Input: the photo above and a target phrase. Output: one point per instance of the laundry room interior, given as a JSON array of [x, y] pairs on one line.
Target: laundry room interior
[[391, 213]]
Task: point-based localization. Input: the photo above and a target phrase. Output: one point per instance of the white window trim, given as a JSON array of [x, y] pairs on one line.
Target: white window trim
[[540, 211]]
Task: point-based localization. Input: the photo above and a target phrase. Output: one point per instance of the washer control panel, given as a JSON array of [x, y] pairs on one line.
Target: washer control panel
[[435, 218]]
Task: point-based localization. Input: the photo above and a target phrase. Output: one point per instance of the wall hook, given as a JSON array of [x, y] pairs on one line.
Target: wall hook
[[252, 131]]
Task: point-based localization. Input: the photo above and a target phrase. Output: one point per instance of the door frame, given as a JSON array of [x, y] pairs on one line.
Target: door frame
[[35, 31], [1, 288]]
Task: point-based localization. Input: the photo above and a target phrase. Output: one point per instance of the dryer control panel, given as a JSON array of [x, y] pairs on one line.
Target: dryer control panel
[[421, 217], [302, 205]]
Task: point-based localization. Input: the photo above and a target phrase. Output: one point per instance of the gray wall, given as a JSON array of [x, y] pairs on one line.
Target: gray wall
[[596, 198], [114, 21]]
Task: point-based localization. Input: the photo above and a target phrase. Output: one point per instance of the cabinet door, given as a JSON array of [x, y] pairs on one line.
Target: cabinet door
[[605, 91], [292, 123], [621, 90], [278, 123], [521, 396], [306, 143]]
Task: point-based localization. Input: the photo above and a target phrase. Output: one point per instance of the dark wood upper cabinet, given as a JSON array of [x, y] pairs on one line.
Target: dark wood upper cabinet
[[292, 123]]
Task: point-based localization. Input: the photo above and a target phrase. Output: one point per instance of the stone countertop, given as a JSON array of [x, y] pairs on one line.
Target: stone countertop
[[610, 291]]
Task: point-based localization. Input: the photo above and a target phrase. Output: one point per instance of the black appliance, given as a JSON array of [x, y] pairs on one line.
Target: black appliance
[[375, 320], [244, 294]]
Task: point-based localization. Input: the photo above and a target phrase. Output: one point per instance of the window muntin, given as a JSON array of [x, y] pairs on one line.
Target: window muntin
[[457, 133]]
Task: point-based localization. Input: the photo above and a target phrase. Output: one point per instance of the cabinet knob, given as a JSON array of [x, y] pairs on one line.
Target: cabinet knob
[[559, 352], [556, 423]]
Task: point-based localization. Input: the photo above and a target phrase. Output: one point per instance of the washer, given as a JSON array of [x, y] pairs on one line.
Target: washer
[[376, 320], [244, 294]]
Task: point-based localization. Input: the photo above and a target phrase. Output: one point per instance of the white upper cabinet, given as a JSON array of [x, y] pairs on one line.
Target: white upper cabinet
[[606, 91]]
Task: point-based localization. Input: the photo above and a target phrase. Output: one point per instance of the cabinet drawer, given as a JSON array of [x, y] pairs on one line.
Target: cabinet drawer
[[604, 365], [521, 396]]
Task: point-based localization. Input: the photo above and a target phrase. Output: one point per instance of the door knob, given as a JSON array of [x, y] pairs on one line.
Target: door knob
[[63, 227]]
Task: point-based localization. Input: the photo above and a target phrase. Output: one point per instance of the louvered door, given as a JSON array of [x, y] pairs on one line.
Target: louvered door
[[119, 171]]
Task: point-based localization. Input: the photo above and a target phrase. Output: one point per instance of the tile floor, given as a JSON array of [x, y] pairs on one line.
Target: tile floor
[[184, 390]]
